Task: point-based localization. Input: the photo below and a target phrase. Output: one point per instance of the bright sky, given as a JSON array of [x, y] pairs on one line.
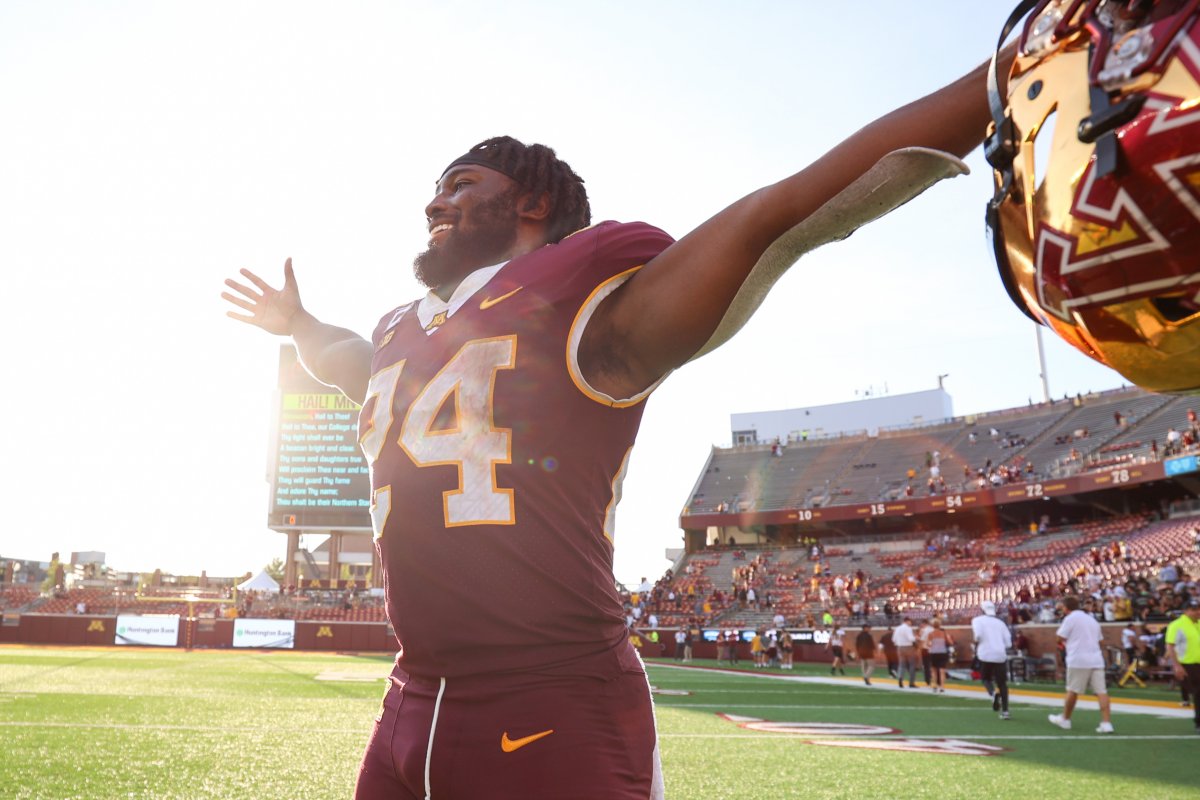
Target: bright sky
[[149, 150]]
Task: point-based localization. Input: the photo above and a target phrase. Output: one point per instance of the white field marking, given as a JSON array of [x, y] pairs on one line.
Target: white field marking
[[792, 692], [957, 747], [809, 728], [806, 707], [350, 677], [748, 736], [1119, 705]]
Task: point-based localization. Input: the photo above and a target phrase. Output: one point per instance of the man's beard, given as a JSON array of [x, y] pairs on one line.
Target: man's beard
[[490, 232]]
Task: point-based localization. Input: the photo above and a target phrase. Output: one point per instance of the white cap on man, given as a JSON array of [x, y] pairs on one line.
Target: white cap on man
[[988, 607]]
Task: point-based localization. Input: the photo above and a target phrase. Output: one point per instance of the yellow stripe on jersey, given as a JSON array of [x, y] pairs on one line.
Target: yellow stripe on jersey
[[576, 334], [610, 513]]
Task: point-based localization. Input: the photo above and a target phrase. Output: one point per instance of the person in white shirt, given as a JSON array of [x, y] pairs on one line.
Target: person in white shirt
[[926, 657], [837, 640], [1129, 643], [1110, 610], [906, 645], [992, 640], [1080, 634]]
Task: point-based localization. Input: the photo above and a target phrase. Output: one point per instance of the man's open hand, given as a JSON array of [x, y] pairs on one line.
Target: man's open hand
[[269, 308]]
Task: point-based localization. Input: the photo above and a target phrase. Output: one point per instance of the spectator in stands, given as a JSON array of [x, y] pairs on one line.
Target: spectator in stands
[[906, 646], [992, 640], [1174, 442], [864, 644], [1080, 635]]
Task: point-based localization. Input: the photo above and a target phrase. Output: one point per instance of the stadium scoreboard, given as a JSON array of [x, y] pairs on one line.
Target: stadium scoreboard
[[317, 474]]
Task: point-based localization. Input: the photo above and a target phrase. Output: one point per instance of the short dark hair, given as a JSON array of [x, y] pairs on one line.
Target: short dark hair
[[1071, 602], [537, 169]]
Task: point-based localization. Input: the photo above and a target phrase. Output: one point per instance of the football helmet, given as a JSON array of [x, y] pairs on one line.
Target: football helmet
[[1096, 150]]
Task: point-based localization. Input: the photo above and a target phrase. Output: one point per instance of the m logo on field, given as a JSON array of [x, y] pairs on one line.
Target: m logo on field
[[807, 728], [872, 737], [952, 747]]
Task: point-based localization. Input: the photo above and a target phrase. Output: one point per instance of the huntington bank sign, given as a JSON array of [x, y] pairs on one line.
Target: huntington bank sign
[[152, 631], [264, 633]]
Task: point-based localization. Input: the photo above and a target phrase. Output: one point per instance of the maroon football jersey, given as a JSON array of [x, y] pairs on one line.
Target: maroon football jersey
[[495, 469]]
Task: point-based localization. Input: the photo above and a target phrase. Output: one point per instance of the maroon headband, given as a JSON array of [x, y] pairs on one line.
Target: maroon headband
[[479, 157]]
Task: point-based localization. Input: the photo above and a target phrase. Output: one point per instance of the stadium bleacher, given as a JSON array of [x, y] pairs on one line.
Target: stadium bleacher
[[947, 579], [1057, 439]]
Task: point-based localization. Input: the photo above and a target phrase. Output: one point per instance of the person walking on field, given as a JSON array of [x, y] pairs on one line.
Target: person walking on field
[[923, 647], [865, 645], [992, 640], [836, 644], [1080, 635], [939, 644], [887, 643], [906, 649], [1183, 647], [785, 649]]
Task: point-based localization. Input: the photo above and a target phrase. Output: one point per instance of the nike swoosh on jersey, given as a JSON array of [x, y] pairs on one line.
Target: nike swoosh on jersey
[[509, 745], [488, 302]]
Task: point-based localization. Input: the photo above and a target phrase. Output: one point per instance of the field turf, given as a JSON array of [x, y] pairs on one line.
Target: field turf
[[148, 723]]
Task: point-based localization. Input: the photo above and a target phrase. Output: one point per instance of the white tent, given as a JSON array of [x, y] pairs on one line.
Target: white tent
[[262, 582]]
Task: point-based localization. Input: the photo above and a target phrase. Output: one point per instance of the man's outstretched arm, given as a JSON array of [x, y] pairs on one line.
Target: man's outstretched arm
[[335, 356], [669, 311]]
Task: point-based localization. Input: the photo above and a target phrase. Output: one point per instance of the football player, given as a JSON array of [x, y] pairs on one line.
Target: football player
[[498, 413]]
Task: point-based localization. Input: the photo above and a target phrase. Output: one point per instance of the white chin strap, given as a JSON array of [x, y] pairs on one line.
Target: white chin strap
[[895, 179]]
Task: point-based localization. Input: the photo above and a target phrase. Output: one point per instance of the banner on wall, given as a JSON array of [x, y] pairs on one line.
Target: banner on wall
[[160, 631], [264, 633]]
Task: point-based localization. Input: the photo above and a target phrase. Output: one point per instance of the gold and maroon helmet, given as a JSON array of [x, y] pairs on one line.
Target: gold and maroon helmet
[[1096, 149]]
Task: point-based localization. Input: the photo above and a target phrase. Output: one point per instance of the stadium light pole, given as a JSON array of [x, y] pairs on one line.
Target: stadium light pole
[[1042, 363]]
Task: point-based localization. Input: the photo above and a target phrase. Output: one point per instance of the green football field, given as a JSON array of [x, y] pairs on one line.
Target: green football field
[[142, 723]]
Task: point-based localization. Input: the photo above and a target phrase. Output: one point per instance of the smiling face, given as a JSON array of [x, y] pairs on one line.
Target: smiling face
[[472, 224]]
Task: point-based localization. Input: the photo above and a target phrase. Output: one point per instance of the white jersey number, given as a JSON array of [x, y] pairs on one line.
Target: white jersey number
[[472, 443]]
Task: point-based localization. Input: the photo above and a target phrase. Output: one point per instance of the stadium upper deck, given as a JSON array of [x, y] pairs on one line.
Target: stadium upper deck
[[1064, 448]]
